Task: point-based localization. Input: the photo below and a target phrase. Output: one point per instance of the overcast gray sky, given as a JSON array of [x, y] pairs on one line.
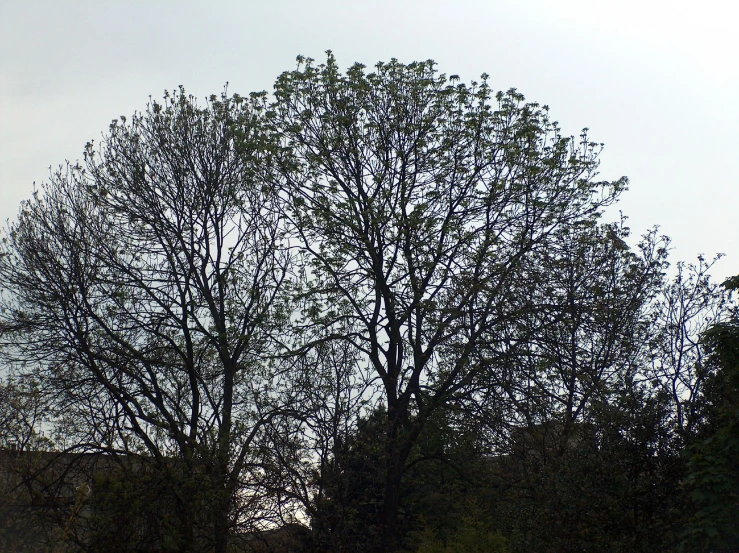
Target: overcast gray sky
[[657, 81]]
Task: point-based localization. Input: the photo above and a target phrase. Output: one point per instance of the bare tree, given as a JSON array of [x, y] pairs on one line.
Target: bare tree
[[144, 287], [689, 304], [589, 324]]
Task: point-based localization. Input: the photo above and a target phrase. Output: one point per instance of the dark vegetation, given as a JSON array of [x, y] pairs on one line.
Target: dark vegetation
[[378, 311]]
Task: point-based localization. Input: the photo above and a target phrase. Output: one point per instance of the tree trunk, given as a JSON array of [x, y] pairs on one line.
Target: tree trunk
[[401, 435], [220, 524], [388, 516]]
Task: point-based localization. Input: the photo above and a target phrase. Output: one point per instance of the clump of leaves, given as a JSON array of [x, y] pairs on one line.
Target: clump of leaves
[[473, 536]]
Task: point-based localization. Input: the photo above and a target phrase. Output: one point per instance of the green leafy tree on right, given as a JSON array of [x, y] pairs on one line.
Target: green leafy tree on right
[[712, 483]]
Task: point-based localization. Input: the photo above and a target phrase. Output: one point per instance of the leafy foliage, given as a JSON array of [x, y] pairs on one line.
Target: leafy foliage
[[419, 205], [713, 459], [383, 301]]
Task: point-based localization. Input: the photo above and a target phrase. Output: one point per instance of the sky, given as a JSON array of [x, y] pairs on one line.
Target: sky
[[657, 81]]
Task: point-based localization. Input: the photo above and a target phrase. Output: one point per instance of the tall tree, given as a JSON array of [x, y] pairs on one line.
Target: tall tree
[[144, 286], [417, 201]]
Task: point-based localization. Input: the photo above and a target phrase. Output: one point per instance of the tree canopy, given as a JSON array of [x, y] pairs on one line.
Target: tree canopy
[[329, 304]]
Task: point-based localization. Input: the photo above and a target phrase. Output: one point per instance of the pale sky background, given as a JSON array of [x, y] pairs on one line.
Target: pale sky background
[[657, 81]]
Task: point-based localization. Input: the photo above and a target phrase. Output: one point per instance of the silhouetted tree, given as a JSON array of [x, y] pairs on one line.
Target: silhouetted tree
[[417, 204], [144, 287], [712, 482], [382, 298]]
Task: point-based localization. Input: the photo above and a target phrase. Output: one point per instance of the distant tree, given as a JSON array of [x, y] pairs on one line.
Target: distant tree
[[587, 327], [22, 411], [688, 305], [606, 397], [143, 287], [590, 461]]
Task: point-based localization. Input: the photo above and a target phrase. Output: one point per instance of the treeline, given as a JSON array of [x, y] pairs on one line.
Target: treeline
[[377, 310]]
